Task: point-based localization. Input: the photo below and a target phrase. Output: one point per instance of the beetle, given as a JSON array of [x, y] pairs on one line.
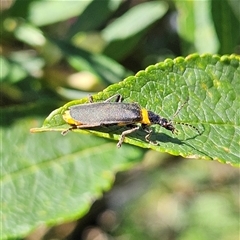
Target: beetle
[[116, 112]]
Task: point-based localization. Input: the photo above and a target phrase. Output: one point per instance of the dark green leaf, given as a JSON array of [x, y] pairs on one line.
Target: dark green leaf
[[227, 26], [125, 32], [42, 171], [196, 28], [47, 12], [99, 12]]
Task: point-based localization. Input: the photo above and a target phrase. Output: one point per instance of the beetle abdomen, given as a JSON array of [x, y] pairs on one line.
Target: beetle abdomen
[[106, 113]]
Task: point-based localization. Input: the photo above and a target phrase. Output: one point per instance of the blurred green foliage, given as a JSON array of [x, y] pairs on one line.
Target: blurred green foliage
[[53, 48], [52, 51]]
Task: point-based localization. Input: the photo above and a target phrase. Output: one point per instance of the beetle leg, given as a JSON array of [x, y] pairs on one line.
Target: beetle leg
[[90, 99], [123, 135], [149, 132], [118, 98], [65, 132]]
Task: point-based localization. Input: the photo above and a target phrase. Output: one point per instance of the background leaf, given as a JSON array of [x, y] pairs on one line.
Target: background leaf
[[211, 85], [46, 12], [138, 20], [70, 173], [228, 35], [105, 68], [198, 32], [101, 10]]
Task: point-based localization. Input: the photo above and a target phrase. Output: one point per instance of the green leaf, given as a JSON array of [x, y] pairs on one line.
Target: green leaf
[[101, 10], [227, 25], [126, 31], [100, 65], [211, 85], [29, 34], [42, 171], [195, 26], [5, 68], [235, 8], [12, 71], [43, 13]]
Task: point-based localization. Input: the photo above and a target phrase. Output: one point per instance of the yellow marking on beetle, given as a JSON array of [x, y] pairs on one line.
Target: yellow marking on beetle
[[145, 118], [67, 118]]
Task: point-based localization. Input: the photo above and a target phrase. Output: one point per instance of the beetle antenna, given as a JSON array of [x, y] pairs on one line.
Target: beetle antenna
[[178, 110], [191, 126], [180, 123]]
